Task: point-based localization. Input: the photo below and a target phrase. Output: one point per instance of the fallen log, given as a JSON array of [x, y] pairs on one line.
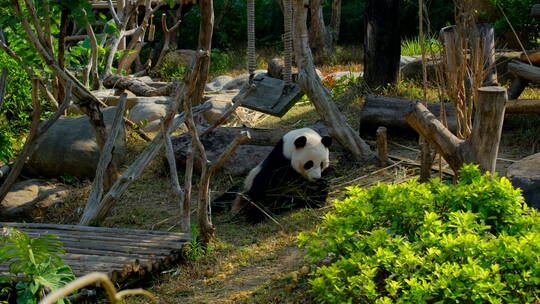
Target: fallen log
[[388, 111], [137, 86], [524, 70]]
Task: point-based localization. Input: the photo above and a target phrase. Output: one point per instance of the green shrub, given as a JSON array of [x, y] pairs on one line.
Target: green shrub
[[37, 260], [473, 242]]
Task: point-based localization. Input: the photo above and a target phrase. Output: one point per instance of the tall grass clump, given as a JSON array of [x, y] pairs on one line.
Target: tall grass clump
[[412, 46], [472, 242]]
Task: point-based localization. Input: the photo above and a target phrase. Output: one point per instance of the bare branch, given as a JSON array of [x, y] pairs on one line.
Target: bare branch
[[43, 127], [239, 139], [3, 85], [105, 158], [19, 163], [113, 13], [229, 112]]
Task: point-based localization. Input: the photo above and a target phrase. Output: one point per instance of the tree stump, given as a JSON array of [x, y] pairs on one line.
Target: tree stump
[[481, 147]]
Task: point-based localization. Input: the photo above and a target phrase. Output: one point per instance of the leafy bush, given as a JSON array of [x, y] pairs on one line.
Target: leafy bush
[[473, 242], [518, 13], [37, 259]]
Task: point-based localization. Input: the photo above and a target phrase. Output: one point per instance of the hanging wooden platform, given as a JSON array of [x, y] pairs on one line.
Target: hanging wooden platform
[[124, 254], [269, 96]]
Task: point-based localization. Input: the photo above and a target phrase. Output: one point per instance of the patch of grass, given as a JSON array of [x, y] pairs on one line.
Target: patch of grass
[[412, 46]]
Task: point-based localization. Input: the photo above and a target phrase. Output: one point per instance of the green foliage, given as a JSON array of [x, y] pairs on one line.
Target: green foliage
[[338, 86], [37, 259], [195, 249], [518, 13], [473, 242], [412, 46]]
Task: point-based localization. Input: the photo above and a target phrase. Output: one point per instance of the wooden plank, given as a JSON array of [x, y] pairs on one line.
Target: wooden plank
[[93, 229], [150, 238], [112, 239]]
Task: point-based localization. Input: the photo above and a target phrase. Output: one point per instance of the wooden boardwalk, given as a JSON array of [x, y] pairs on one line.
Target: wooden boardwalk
[[124, 254]]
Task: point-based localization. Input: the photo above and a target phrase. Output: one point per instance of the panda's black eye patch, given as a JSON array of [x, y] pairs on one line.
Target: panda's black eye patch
[[308, 165]]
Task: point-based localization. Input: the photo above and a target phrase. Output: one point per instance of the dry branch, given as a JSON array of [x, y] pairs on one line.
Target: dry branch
[[166, 38], [229, 112], [133, 172], [90, 279], [18, 165], [311, 84], [138, 87], [106, 157], [3, 85]]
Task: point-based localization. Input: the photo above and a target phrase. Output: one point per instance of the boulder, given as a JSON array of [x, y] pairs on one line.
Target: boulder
[[525, 174], [69, 147], [240, 82], [404, 60], [348, 75], [413, 70], [245, 158], [275, 69], [30, 198], [179, 57], [147, 111], [217, 83]]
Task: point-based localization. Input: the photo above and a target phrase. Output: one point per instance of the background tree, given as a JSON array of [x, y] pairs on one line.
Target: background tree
[[382, 42]]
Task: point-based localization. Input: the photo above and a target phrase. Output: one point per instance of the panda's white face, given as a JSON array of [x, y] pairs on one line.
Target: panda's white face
[[308, 152]]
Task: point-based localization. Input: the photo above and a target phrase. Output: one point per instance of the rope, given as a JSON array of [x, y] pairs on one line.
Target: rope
[[287, 41], [251, 39]]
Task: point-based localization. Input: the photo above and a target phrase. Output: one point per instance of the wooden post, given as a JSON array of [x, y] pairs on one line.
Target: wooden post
[[382, 43], [483, 144], [382, 146], [483, 39], [320, 38]]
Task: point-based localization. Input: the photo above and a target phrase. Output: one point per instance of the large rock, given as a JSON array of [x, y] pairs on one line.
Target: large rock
[[147, 111], [344, 75], [69, 147], [525, 174], [217, 83], [276, 66], [413, 70], [245, 158], [30, 198], [240, 82]]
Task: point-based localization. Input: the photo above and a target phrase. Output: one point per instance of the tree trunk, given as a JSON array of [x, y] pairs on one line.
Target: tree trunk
[[382, 43], [311, 84], [483, 144], [320, 38], [336, 20], [61, 50]]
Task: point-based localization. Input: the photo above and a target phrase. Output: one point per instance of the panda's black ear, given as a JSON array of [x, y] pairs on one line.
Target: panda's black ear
[[300, 142], [326, 141]]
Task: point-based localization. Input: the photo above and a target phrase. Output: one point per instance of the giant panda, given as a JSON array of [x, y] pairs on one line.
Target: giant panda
[[290, 176]]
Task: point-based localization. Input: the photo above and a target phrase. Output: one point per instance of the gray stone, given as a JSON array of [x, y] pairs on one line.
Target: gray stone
[[217, 83], [525, 174], [69, 147], [404, 60], [413, 70], [179, 57], [245, 158], [30, 198], [340, 75], [147, 111], [240, 82]]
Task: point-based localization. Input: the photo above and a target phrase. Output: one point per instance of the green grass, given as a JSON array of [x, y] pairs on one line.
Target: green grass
[[412, 47]]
